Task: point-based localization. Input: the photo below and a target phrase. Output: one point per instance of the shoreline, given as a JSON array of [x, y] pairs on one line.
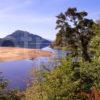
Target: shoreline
[[15, 53]]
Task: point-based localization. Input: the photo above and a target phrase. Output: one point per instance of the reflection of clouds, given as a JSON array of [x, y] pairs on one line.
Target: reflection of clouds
[[49, 63], [45, 63]]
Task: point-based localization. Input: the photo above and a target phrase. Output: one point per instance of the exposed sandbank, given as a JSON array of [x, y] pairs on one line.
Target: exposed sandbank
[[13, 53]]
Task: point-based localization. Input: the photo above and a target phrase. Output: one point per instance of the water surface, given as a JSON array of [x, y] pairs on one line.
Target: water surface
[[18, 72]]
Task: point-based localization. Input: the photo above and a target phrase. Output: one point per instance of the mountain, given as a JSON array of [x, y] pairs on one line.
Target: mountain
[[24, 39]]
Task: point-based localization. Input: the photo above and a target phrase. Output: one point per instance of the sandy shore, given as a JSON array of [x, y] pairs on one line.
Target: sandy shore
[[11, 54]]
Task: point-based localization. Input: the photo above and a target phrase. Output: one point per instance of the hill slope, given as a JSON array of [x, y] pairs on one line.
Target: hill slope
[[24, 39]]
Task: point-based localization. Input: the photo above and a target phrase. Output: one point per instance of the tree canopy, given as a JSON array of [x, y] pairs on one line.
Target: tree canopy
[[75, 30]]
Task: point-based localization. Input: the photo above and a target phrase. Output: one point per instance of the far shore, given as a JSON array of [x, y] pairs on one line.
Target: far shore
[[14, 53]]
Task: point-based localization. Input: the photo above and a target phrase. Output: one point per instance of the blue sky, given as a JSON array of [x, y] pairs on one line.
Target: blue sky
[[38, 16]]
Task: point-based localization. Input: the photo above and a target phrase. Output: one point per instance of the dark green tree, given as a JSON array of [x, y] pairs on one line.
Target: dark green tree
[[75, 30]]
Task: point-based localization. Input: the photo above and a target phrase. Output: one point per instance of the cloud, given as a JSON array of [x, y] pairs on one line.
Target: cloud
[[20, 14], [18, 11], [12, 5], [38, 16]]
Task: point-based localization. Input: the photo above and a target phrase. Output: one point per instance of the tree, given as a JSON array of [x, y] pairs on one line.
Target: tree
[[75, 30]]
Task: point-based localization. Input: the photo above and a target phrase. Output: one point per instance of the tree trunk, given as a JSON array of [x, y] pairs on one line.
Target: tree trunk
[[85, 53]]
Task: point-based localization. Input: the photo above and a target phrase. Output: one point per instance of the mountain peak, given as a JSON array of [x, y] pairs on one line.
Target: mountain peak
[[20, 32], [26, 40]]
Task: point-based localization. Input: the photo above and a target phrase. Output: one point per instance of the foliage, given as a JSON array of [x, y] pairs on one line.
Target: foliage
[[63, 83], [7, 94], [95, 42], [73, 79], [75, 30]]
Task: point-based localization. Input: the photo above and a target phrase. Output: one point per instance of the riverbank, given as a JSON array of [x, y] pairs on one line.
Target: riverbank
[[14, 53]]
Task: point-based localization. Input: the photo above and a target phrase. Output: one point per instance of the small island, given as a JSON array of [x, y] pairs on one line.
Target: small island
[[15, 53]]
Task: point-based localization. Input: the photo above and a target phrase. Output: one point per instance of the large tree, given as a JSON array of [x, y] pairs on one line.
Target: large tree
[[75, 30]]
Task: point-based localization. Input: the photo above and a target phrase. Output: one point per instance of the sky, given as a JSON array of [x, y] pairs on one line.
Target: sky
[[39, 16]]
